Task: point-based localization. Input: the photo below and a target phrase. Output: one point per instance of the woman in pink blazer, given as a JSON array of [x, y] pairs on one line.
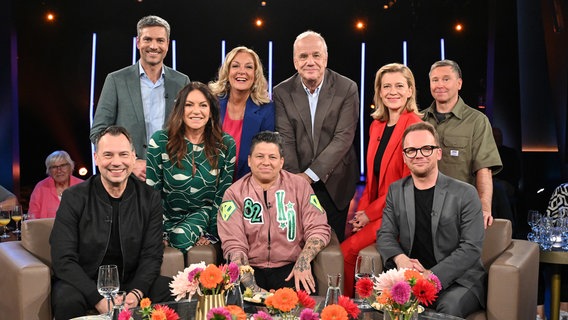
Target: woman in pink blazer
[[396, 109]]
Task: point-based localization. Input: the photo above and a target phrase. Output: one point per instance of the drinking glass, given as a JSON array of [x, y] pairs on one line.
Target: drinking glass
[[118, 300], [333, 289], [364, 268], [17, 217], [235, 296], [4, 220], [533, 218], [545, 230], [108, 284]]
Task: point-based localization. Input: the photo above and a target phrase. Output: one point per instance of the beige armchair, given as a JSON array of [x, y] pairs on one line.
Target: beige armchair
[[512, 267], [328, 261], [26, 272]]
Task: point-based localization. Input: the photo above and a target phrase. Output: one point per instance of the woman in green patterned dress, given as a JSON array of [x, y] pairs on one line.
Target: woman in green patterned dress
[[191, 162]]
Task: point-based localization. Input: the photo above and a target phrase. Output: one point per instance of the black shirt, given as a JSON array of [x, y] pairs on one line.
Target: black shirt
[[383, 142], [422, 247], [114, 252]]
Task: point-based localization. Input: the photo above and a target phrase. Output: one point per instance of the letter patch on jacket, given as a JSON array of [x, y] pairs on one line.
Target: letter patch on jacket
[[227, 208], [286, 215], [252, 211]]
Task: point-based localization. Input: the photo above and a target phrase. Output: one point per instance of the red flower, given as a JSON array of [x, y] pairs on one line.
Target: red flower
[[364, 287], [425, 291], [169, 312], [305, 300], [349, 306]]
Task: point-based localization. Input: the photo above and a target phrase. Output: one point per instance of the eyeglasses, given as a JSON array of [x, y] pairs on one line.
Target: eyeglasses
[[424, 150], [61, 166]]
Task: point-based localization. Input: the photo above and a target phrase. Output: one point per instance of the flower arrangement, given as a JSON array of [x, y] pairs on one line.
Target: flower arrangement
[[157, 312], [201, 279], [285, 301], [227, 313], [401, 291], [344, 309]]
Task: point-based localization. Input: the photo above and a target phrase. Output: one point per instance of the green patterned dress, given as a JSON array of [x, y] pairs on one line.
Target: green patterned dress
[[190, 200]]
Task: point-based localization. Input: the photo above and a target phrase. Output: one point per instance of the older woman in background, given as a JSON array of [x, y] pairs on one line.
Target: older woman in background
[[395, 98], [245, 106], [191, 163], [45, 199]]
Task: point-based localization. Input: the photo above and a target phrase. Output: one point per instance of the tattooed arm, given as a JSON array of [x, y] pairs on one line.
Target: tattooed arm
[[247, 272], [302, 271]]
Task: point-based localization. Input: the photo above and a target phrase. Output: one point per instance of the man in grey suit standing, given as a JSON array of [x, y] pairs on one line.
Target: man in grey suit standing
[[434, 224], [140, 97], [317, 111]]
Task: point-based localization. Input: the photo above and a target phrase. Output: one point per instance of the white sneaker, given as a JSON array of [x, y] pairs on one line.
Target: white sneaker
[[563, 315]]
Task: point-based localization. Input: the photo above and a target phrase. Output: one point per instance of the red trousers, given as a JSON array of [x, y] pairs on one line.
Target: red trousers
[[350, 249]]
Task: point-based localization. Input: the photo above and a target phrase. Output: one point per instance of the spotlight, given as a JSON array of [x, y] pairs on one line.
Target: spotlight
[[458, 27], [263, 3], [259, 22], [50, 17], [360, 25], [83, 171]]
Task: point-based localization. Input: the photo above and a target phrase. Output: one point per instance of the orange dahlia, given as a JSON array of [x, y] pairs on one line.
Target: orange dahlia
[[285, 299], [145, 303], [211, 276], [236, 312], [334, 312]]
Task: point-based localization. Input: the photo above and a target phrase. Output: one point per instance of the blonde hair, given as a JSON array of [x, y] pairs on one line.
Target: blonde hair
[[259, 89], [381, 113]]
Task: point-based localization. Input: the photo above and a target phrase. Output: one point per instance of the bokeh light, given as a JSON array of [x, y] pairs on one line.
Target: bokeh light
[[259, 22], [50, 17], [458, 27], [83, 171], [360, 25]]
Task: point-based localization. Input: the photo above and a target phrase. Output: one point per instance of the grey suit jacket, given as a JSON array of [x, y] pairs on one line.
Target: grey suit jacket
[[457, 231], [120, 103], [331, 155]]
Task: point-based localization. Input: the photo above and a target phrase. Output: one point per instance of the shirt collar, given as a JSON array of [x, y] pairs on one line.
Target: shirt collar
[[142, 72], [316, 92]]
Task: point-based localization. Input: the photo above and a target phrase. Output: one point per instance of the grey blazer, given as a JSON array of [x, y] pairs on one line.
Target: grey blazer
[[120, 103], [457, 231], [332, 154]]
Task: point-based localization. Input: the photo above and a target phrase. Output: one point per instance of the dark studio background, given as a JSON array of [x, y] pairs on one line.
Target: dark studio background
[[513, 55]]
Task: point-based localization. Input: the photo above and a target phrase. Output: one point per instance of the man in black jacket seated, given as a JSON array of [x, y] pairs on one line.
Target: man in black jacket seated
[[111, 218]]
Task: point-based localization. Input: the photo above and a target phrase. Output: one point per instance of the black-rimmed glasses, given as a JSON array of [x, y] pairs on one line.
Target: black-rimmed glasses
[[424, 150]]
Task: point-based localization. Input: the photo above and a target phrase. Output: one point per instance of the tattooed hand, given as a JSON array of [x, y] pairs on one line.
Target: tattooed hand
[[302, 271]]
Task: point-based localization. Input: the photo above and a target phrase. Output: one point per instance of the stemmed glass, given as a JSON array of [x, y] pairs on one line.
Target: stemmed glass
[[108, 284], [4, 220], [533, 219], [17, 217], [364, 268]]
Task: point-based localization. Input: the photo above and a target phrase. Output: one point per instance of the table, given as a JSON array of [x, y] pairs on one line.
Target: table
[[556, 258], [186, 311]]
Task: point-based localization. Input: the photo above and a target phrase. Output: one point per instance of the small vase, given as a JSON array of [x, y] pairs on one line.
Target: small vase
[[207, 302]]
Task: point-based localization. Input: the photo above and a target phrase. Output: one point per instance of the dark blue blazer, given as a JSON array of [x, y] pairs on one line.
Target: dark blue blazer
[[257, 119]]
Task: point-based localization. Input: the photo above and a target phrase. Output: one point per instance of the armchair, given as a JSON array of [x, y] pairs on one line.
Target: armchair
[[26, 271], [328, 261], [512, 267]]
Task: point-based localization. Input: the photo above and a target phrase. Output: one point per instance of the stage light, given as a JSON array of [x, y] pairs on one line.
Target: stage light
[[360, 25], [263, 3], [50, 17], [458, 27], [259, 22], [83, 171]]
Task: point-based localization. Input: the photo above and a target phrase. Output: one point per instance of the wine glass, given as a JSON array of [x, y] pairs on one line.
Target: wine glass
[[108, 283], [364, 268], [4, 220], [17, 217]]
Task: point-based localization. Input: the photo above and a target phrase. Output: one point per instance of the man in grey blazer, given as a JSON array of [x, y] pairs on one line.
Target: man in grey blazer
[[140, 97], [317, 111], [434, 224]]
